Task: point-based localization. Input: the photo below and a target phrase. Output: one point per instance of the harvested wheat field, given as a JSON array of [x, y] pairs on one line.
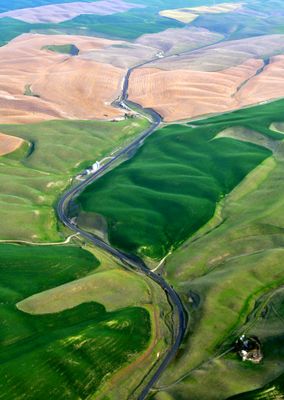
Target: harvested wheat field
[[124, 54], [39, 85], [266, 86], [78, 88], [220, 78], [225, 54], [181, 15], [8, 143], [175, 40], [187, 94], [217, 8], [189, 14], [63, 12]]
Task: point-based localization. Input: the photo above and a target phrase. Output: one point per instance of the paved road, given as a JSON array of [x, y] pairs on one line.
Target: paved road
[[127, 260]]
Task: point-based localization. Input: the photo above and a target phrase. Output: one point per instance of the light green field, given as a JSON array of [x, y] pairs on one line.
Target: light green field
[[233, 266], [114, 26], [71, 336], [32, 182]]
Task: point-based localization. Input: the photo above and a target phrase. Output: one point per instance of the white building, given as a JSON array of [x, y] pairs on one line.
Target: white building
[[95, 167]]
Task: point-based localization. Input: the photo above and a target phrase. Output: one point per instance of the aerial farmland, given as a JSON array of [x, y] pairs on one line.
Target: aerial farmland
[[141, 193]]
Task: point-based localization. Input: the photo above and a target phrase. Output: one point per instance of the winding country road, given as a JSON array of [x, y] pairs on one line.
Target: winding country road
[[127, 260]]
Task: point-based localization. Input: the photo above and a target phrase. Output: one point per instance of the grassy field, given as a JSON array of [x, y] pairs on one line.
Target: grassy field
[[59, 149], [70, 49], [11, 28], [112, 26], [148, 20], [229, 274], [267, 321], [120, 292], [118, 26], [272, 391], [163, 195], [71, 353]]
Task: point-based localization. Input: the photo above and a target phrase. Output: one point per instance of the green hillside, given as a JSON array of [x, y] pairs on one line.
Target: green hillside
[[58, 150], [68, 354], [158, 199]]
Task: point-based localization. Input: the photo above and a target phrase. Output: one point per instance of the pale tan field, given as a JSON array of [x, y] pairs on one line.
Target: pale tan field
[[277, 127], [226, 54], [63, 12], [125, 54], [266, 86], [182, 39], [189, 14], [182, 94], [216, 79], [89, 289], [182, 15], [68, 87], [218, 8], [39, 84], [8, 144], [122, 54]]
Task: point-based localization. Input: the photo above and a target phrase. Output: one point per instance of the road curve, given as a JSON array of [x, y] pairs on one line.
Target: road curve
[[130, 261]]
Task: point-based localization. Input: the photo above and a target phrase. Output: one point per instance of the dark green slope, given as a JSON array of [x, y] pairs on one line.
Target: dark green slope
[[171, 187]]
